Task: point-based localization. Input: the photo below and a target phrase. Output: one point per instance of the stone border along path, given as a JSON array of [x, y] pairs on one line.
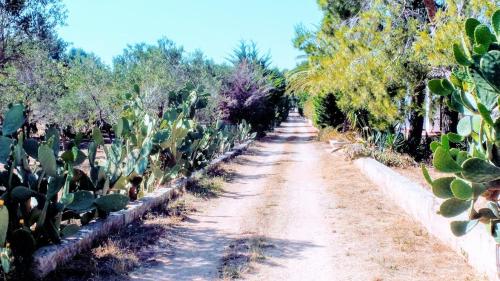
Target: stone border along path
[[47, 258], [478, 247]]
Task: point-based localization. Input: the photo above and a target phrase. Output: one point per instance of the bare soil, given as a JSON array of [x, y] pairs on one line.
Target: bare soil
[[290, 210], [136, 245]]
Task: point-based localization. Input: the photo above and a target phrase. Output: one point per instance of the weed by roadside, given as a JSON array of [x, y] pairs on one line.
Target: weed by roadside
[[386, 157], [218, 171], [206, 187], [240, 255], [121, 252], [329, 133]]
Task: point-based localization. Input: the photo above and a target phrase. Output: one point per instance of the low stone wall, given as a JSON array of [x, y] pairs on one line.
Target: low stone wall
[[478, 247], [47, 258]]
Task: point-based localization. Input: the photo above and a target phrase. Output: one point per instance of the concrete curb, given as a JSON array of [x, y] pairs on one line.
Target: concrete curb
[[478, 247], [46, 259]]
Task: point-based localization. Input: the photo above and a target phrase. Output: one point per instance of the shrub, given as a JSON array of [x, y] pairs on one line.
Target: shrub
[[301, 99], [280, 101], [326, 111], [245, 96], [309, 108], [253, 91], [386, 157], [328, 133]]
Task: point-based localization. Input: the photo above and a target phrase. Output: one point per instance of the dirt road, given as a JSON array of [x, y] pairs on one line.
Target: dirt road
[[302, 214]]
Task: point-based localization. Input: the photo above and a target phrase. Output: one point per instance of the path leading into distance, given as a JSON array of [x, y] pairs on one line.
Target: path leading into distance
[[318, 216]]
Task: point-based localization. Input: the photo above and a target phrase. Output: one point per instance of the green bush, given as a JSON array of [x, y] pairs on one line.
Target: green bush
[[253, 91], [326, 111], [300, 101]]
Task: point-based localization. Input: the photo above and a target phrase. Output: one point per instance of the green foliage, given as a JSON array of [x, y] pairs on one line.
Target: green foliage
[[4, 223], [82, 201], [45, 188], [53, 176], [460, 228], [345, 9], [377, 62], [111, 202], [90, 96], [363, 61], [300, 100], [253, 91], [31, 182], [474, 93], [433, 44], [13, 119], [326, 111]]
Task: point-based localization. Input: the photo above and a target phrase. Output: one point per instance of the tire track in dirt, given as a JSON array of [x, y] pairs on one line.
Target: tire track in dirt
[[294, 212], [351, 233], [198, 244]]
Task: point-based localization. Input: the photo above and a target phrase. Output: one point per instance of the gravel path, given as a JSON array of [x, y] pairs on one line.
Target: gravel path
[[315, 217]]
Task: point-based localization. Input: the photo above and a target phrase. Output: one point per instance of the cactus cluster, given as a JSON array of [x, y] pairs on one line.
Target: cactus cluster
[[207, 142], [44, 190], [473, 90]]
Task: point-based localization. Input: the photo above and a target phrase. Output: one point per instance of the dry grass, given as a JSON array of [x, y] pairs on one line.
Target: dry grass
[[383, 240], [415, 174], [240, 255], [330, 133], [386, 157], [117, 258], [223, 172], [206, 187], [113, 258]]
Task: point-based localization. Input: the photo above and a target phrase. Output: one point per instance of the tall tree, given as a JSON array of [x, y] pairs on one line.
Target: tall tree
[[26, 21], [253, 91], [156, 69], [30, 53], [89, 99], [377, 58]]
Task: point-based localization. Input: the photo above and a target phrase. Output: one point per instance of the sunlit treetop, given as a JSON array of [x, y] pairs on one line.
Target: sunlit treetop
[[433, 43], [361, 61]]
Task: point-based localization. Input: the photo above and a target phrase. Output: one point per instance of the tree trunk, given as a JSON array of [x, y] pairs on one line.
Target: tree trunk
[[161, 110], [449, 119], [345, 125], [416, 118], [431, 8]]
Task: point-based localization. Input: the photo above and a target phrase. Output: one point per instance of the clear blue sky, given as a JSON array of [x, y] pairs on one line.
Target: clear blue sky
[[106, 27]]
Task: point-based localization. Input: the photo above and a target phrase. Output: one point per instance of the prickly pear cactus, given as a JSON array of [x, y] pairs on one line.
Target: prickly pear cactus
[[4, 223], [473, 89], [111, 202], [82, 201], [39, 187], [42, 187]]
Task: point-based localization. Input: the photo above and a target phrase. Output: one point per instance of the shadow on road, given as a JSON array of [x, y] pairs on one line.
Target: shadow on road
[[194, 264]]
